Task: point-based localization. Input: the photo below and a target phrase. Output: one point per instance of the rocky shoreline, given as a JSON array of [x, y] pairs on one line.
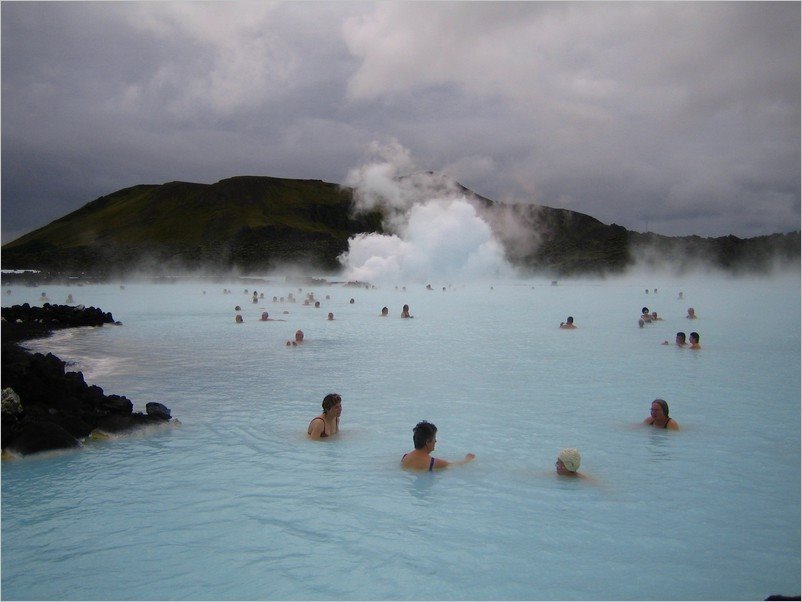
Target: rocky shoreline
[[44, 406]]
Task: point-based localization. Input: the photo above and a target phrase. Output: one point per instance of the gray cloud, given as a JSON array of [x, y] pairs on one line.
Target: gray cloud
[[683, 117]]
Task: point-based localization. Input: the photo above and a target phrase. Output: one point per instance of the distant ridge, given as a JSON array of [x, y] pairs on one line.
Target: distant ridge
[[251, 224]]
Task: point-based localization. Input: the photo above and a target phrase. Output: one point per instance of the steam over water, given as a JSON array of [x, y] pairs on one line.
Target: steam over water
[[433, 227], [446, 237], [237, 504]]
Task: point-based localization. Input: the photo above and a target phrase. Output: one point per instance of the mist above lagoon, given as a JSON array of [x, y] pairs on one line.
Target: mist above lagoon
[[389, 222]]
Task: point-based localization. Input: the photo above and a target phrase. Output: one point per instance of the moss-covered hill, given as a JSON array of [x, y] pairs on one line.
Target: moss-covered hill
[[252, 224], [248, 223]]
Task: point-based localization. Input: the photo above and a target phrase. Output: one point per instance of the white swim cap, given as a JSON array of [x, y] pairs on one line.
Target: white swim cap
[[570, 458]]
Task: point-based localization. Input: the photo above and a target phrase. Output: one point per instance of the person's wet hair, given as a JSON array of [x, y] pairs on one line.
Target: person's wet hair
[[694, 337], [681, 336], [663, 404], [331, 400], [423, 433]]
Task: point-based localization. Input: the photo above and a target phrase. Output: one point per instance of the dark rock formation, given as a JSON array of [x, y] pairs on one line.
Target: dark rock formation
[[44, 406]]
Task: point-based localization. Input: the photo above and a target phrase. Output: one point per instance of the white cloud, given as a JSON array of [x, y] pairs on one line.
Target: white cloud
[[619, 110]]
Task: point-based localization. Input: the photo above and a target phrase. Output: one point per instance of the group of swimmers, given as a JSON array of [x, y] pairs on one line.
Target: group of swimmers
[[299, 335], [680, 340], [424, 438]]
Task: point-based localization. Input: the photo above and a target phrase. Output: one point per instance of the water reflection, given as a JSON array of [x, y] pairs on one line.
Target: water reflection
[[659, 444], [421, 485]]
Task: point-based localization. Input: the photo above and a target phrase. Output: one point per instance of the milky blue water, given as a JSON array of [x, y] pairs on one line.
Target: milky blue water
[[236, 504]]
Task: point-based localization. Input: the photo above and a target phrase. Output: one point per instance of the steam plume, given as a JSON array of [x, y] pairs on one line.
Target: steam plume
[[436, 232]]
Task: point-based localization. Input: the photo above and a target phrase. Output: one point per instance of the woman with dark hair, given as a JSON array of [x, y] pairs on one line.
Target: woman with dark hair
[[424, 437], [659, 417], [328, 423]]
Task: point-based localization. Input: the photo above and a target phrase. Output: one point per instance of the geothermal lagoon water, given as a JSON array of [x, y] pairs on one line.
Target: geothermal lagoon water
[[236, 504]]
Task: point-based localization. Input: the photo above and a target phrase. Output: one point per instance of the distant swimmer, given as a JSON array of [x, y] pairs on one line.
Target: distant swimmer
[[569, 323], [331, 316], [691, 313], [405, 312], [385, 311], [70, 299], [567, 463], [694, 337], [299, 338], [654, 317], [645, 315], [238, 319], [679, 340], [328, 423], [266, 318], [659, 417], [680, 295], [424, 437]]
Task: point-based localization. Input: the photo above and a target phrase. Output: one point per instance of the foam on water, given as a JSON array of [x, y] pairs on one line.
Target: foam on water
[[237, 504]]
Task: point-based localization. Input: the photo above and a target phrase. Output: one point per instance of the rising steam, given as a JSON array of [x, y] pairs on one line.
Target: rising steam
[[436, 231]]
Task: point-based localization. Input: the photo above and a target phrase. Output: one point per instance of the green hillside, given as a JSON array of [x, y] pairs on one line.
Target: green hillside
[[243, 222], [252, 224]]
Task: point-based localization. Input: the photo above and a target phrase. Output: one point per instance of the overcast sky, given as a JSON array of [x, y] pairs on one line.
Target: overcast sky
[[680, 118]]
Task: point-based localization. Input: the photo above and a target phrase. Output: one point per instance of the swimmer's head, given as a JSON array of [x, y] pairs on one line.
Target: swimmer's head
[[331, 400], [663, 406], [423, 433], [570, 459], [681, 338], [299, 335], [645, 310], [570, 319]]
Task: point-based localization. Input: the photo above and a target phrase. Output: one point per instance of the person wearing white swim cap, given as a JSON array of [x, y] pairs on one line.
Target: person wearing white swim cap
[[568, 462]]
